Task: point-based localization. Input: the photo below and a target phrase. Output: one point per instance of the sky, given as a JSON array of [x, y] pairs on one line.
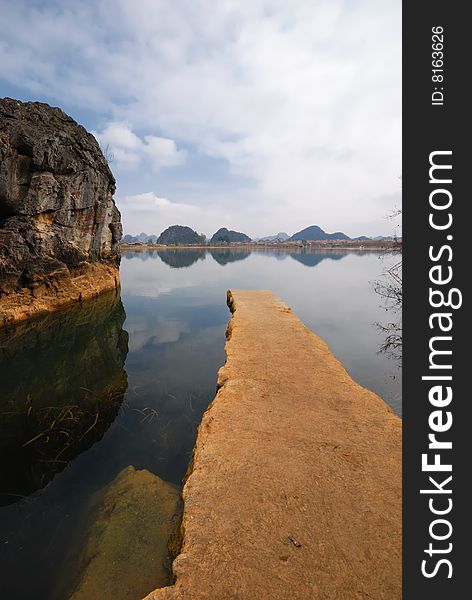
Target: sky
[[257, 115]]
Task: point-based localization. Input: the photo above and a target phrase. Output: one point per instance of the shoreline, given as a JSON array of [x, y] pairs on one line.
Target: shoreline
[[253, 246]]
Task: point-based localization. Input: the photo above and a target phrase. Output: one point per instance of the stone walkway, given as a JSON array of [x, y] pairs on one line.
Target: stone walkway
[[295, 491]]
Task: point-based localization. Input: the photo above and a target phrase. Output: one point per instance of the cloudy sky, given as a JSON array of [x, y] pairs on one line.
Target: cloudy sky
[[258, 115]]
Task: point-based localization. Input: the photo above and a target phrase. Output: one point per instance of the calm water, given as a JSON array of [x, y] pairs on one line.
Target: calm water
[[120, 382]]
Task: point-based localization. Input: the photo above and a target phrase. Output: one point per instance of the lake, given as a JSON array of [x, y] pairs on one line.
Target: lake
[[122, 381]]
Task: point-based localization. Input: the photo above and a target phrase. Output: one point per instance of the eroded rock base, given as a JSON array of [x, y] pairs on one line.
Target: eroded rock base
[[295, 490], [72, 286]]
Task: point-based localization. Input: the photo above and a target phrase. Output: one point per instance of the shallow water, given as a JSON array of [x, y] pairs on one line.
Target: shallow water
[[148, 378]]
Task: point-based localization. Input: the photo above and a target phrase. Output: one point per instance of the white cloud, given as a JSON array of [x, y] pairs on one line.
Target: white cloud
[[149, 201], [160, 331], [153, 214], [302, 98], [122, 145], [163, 152]]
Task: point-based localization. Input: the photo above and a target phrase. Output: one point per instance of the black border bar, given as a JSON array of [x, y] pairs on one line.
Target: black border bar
[[436, 124]]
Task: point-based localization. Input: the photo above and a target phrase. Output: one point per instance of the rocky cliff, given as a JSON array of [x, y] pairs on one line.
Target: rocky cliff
[[59, 226]]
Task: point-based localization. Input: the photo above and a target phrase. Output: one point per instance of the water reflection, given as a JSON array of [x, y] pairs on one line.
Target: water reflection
[[175, 350], [179, 259], [63, 382], [176, 318], [330, 290], [223, 256], [310, 259], [139, 252]]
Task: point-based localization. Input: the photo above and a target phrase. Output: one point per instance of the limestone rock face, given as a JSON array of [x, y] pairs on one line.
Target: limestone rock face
[[57, 213]]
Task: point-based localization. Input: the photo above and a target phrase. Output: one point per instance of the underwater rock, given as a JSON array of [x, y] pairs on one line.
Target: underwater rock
[[129, 524]]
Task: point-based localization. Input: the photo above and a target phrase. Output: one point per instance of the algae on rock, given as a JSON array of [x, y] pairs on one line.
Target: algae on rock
[[125, 552]]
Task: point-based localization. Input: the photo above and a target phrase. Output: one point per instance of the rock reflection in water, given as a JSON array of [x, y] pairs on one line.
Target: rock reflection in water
[[176, 319], [48, 541], [223, 256], [63, 382], [310, 259], [179, 259]]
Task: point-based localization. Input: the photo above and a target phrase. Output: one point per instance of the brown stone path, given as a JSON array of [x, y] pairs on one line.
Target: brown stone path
[[295, 491]]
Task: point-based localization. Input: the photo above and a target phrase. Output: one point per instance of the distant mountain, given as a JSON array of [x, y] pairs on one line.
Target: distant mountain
[[129, 239], [144, 238], [180, 234], [226, 235], [279, 237], [316, 233]]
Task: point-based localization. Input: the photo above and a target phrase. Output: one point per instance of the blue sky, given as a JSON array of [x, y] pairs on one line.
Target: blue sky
[[258, 115]]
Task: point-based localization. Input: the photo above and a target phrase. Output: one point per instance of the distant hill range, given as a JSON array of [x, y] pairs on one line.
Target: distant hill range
[[144, 238], [279, 237], [227, 236], [176, 234], [180, 234], [316, 233]]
